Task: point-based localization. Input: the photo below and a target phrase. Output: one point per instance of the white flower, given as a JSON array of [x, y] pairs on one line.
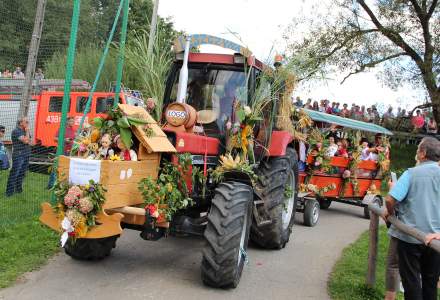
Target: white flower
[[247, 110], [67, 227]]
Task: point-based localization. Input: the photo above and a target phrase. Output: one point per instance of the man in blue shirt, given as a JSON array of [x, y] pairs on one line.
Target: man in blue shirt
[[21, 150], [417, 193]]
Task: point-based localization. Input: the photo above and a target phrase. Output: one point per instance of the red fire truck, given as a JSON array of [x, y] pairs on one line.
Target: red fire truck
[[45, 115]]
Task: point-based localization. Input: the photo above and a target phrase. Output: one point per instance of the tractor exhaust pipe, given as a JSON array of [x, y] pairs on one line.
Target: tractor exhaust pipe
[[183, 77]]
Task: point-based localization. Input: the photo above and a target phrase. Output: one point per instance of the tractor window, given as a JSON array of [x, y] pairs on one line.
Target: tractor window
[[103, 104], [81, 103], [55, 104], [214, 89]]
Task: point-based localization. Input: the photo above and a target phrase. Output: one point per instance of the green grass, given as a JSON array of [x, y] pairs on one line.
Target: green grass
[[25, 243], [23, 248], [24, 206], [347, 280]]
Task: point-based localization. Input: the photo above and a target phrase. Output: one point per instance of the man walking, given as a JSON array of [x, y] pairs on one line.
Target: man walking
[[21, 150], [418, 195]]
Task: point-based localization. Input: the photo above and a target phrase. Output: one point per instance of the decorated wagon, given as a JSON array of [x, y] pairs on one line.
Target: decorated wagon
[[349, 179]]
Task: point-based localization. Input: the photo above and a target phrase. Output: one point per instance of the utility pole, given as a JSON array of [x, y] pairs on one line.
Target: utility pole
[[153, 26], [32, 58]]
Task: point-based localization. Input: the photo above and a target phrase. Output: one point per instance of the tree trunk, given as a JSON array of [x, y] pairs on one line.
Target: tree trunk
[[435, 100]]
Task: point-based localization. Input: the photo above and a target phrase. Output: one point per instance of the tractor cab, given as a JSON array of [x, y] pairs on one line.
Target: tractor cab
[[215, 85]]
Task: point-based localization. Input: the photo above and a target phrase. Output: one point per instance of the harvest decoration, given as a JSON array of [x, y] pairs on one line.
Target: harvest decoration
[[229, 163], [316, 190], [349, 175], [77, 206], [169, 193], [384, 163], [241, 138]]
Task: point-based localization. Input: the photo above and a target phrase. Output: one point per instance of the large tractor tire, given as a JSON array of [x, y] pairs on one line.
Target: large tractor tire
[[90, 249], [278, 186], [227, 235]]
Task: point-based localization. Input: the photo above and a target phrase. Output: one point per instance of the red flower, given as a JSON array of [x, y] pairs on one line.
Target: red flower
[[151, 209], [72, 233], [242, 126]]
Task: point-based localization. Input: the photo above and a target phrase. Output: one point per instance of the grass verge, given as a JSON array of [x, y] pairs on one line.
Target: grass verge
[[23, 248]]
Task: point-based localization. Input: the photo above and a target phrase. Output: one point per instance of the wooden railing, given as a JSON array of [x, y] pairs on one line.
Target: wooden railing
[[374, 239]]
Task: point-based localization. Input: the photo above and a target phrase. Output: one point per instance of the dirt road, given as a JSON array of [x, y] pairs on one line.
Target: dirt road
[[169, 269]]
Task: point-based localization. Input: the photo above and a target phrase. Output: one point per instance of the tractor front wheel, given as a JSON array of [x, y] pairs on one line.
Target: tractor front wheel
[[90, 249], [227, 235]]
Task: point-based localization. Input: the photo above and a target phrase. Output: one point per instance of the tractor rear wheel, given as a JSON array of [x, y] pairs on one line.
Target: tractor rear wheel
[[227, 235], [277, 185], [90, 249]]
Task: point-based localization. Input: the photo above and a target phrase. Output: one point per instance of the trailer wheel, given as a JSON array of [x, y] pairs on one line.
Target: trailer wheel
[[90, 249], [227, 235], [311, 212], [377, 200], [324, 203]]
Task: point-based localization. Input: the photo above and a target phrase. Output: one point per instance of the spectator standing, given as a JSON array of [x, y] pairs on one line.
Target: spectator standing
[[315, 106], [376, 114], [345, 112], [417, 195], [4, 160], [418, 121], [369, 116], [308, 104], [322, 106], [39, 74], [388, 118], [21, 150], [431, 127], [329, 108], [18, 74], [336, 109], [7, 74]]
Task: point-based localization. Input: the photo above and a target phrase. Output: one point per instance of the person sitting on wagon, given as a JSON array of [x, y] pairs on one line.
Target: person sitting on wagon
[[333, 147], [342, 148], [369, 151]]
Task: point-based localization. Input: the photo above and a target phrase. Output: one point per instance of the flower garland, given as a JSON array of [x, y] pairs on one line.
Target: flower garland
[[169, 193], [77, 207], [316, 190]]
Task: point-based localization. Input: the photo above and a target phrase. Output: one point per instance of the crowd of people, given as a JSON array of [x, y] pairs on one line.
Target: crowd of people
[[421, 122], [18, 74]]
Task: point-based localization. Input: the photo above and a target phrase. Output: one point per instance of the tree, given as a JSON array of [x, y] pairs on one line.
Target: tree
[[400, 36]]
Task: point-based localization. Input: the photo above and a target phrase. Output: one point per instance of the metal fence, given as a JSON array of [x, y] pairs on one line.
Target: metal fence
[[29, 173]]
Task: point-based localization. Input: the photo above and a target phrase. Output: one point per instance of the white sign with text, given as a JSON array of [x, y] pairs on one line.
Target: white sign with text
[[83, 170]]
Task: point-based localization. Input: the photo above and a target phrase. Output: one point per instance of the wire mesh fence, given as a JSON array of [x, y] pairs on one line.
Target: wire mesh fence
[[30, 143]]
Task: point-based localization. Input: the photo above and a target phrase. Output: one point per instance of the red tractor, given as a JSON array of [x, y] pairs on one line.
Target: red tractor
[[238, 208]]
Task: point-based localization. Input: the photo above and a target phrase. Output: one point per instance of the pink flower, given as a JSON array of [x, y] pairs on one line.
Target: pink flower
[[70, 200], [228, 125], [75, 190], [85, 205]]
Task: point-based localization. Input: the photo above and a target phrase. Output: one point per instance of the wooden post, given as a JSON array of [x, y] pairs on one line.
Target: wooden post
[[372, 249], [32, 59]]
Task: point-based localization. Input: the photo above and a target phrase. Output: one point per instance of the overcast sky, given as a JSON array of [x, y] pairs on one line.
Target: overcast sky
[[260, 25]]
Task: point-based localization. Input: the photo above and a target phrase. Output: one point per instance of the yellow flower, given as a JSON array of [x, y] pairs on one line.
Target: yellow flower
[[115, 157], [81, 229], [169, 187]]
